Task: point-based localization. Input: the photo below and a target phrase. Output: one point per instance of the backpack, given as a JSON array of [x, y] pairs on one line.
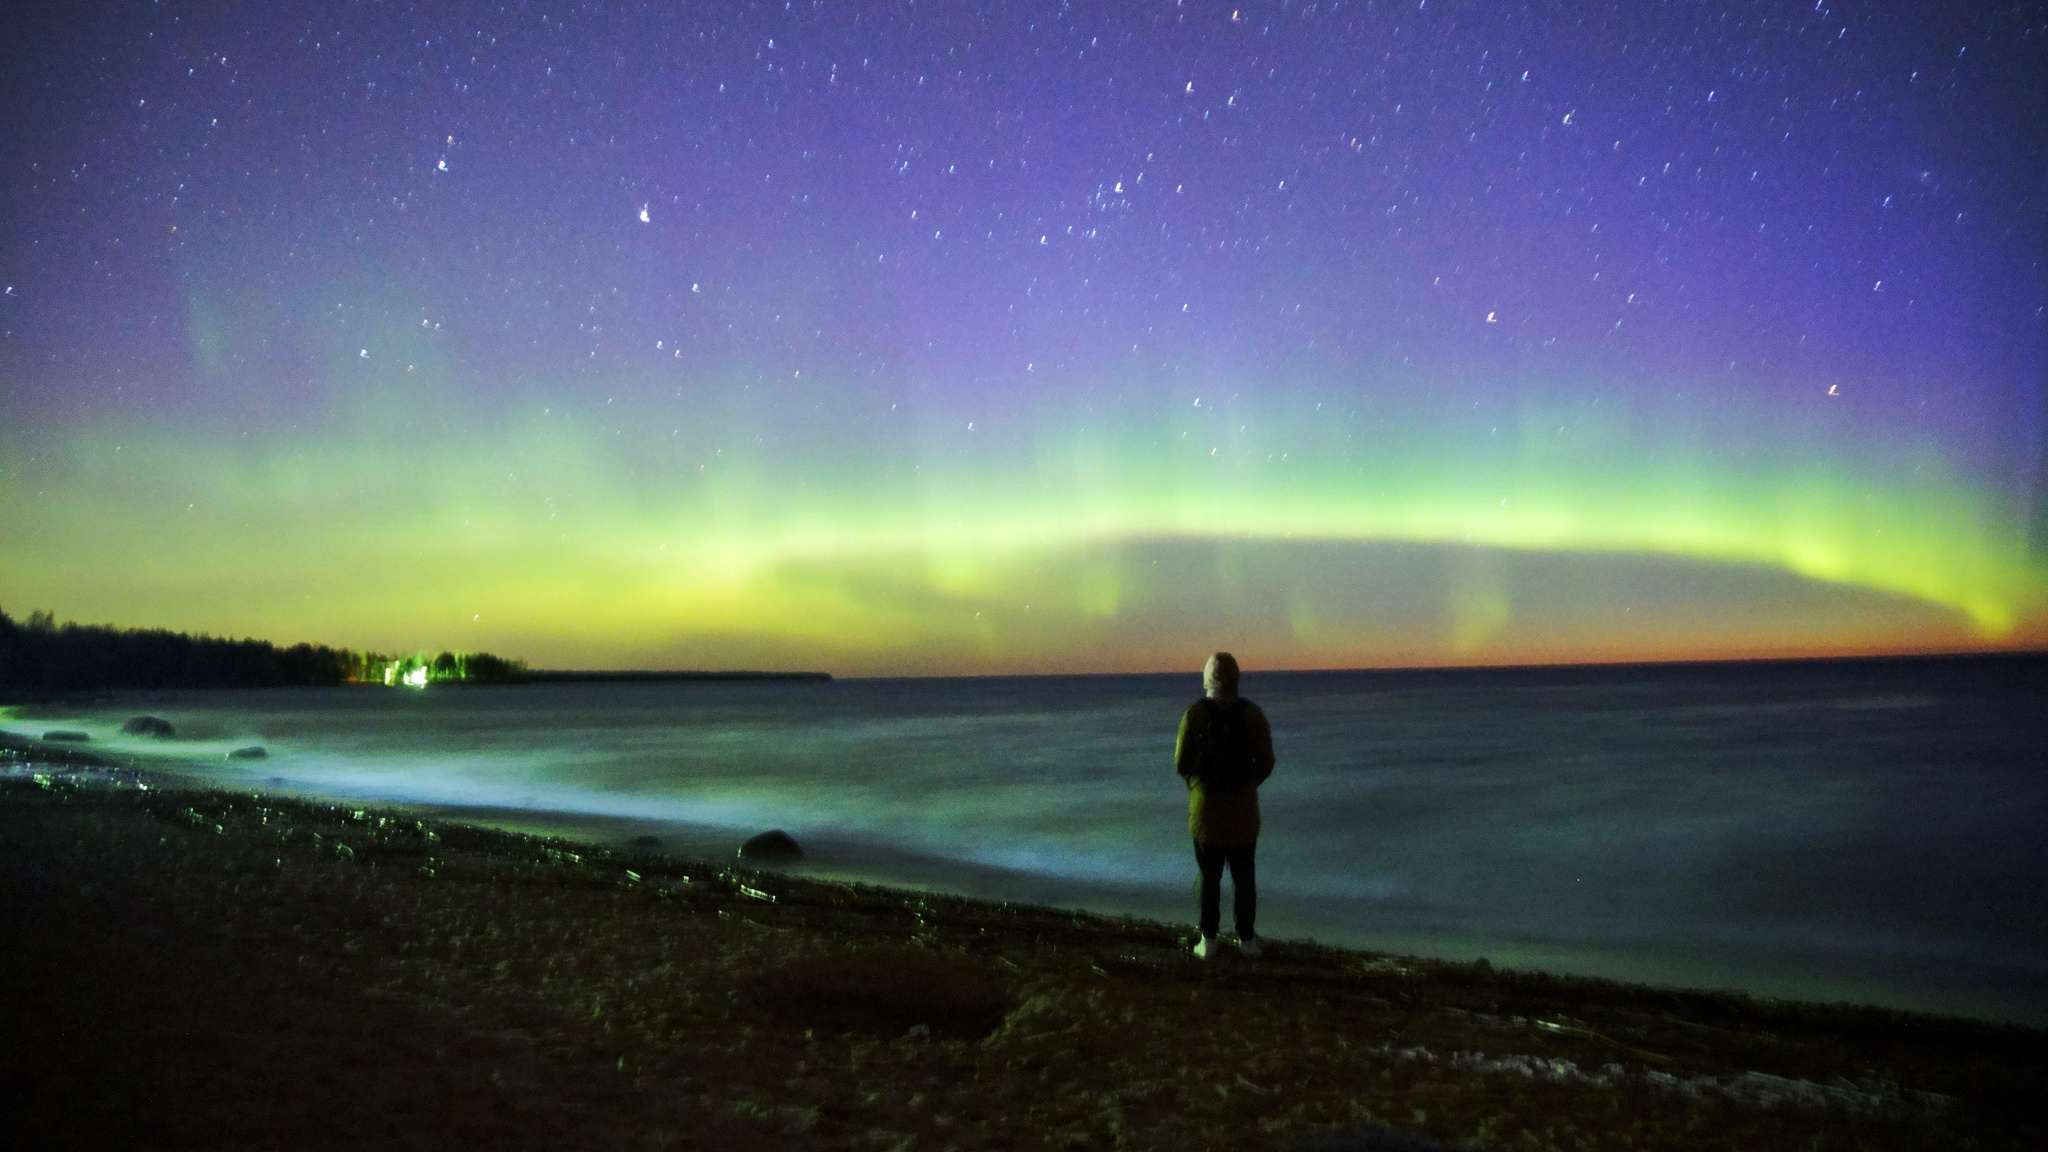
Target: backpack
[[1228, 762]]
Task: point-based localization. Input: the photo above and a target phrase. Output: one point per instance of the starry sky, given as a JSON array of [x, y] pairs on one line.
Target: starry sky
[[930, 337]]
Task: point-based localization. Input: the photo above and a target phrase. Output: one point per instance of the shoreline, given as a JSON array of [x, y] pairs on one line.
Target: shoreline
[[512, 976], [1962, 985], [2036, 657], [1997, 982], [652, 676]]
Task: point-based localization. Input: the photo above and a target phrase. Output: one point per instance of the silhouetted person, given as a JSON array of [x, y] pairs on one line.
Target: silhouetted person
[[1224, 752]]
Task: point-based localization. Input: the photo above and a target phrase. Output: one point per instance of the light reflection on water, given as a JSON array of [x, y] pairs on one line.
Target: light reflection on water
[[1860, 831]]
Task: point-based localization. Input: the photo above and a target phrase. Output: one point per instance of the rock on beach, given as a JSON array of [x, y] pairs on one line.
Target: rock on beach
[[774, 847], [155, 726]]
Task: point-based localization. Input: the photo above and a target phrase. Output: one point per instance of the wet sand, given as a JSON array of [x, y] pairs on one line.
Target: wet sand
[[224, 970]]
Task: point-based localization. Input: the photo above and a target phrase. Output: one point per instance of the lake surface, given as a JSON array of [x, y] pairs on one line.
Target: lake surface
[[1868, 831]]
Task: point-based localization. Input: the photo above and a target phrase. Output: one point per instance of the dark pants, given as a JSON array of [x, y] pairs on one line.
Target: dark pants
[[1244, 884]]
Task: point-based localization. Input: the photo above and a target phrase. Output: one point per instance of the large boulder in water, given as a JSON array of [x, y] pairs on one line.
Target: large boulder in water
[[148, 726], [776, 847]]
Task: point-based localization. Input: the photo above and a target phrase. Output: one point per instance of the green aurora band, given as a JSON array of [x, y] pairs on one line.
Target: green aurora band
[[938, 546]]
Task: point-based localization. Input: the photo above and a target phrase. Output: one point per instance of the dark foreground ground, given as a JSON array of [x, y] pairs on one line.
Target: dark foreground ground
[[187, 969]]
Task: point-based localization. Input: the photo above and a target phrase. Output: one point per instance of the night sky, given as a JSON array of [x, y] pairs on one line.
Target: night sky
[[933, 337]]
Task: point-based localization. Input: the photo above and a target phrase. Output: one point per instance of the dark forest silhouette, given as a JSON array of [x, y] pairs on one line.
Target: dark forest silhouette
[[40, 655]]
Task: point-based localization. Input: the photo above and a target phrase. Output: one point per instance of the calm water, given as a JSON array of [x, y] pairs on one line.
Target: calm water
[[1871, 832]]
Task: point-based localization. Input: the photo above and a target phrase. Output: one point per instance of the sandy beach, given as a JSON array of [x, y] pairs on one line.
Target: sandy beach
[[221, 970]]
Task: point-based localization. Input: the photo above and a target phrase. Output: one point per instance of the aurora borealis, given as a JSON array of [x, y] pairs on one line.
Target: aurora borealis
[[976, 337]]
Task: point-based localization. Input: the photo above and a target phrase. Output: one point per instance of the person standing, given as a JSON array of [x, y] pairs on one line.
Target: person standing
[[1223, 753]]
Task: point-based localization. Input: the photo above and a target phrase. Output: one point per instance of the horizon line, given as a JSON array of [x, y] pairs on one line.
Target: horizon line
[[1931, 655]]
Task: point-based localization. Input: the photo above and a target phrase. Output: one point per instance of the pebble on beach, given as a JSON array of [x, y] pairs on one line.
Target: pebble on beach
[[252, 752], [67, 735]]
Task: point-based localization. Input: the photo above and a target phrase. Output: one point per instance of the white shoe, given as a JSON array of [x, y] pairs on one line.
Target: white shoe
[[1205, 948], [1249, 946]]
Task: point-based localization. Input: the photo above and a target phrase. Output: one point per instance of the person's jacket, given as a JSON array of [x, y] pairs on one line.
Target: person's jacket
[[1220, 817]]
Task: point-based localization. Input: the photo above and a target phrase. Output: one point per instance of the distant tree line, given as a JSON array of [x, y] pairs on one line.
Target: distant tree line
[[458, 667], [40, 655]]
